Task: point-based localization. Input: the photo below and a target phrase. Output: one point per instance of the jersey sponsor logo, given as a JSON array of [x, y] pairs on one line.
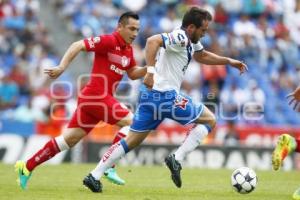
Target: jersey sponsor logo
[[96, 40], [91, 43], [122, 60], [181, 102], [180, 36], [117, 70]]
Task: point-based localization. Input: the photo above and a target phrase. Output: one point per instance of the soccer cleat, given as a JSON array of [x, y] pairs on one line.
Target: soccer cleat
[[113, 177], [296, 195], [94, 185], [23, 174], [175, 167], [286, 144]]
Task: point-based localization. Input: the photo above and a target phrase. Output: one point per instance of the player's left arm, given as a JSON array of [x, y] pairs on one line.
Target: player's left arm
[[136, 72], [68, 57], [210, 58]]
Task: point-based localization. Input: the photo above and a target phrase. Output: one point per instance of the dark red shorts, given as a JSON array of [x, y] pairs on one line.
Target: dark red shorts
[[90, 112]]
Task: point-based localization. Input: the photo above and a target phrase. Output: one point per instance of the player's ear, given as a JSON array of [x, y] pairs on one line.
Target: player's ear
[[191, 27], [120, 25]]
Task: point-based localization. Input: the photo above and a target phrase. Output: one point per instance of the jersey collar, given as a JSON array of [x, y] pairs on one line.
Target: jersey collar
[[183, 29], [120, 39]]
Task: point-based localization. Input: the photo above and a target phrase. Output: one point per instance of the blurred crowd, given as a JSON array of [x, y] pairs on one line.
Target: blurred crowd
[[25, 50], [262, 33]]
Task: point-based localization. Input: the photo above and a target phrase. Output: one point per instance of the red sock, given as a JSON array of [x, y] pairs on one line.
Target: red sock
[[48, 151], [298, 145], [117, 138]]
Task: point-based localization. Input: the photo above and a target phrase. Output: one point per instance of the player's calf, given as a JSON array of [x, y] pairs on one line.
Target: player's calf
[[286, 144]]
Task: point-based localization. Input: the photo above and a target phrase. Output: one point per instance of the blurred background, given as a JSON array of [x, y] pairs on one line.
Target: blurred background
[[251, 109]]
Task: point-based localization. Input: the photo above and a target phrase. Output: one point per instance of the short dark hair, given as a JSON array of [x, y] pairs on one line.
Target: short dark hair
[[196, 16], [125, 16]]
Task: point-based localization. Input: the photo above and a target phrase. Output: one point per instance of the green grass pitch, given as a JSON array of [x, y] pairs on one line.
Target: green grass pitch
[[143, 183]]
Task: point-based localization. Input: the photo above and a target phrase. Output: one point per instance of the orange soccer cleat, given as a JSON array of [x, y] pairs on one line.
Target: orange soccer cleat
[[286, 144]]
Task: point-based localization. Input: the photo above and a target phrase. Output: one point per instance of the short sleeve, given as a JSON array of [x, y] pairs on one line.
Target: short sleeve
[[198, 46], [175, 41], [98, 44]]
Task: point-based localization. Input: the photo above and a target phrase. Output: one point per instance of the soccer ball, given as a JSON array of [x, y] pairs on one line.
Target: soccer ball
[[243, 180]]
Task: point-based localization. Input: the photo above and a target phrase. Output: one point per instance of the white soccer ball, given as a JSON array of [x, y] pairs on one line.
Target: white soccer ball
[[243, 180]]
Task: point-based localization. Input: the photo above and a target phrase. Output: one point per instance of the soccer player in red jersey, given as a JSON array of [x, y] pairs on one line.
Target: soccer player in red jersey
[[113, 57], [286, 143]]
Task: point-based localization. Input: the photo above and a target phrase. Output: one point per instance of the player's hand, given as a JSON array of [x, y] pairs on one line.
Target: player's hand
[[148, 80], [239, 65], [295, 98], [54, 72]]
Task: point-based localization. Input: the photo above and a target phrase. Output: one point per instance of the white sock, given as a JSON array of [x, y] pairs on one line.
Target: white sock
[[114, 153], [191, 142], [61, 143]]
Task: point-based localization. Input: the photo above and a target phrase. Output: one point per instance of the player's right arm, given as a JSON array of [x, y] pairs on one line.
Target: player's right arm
[[69, 55], [100, 44], [295, 97], [152, 46]]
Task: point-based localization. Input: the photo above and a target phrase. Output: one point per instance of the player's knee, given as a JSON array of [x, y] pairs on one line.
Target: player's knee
[[72, 140], [127, 121], [124, 122]]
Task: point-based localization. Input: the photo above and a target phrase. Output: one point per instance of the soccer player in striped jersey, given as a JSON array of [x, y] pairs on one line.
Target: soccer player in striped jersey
[[167, 57]]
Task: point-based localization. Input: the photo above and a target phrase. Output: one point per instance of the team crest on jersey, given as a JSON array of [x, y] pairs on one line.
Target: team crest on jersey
[[91, 43], [124, 61], [96, 40], [121, 60], [181, 102]]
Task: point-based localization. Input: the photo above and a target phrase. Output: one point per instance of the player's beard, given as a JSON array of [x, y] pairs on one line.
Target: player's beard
[[195, 38]]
